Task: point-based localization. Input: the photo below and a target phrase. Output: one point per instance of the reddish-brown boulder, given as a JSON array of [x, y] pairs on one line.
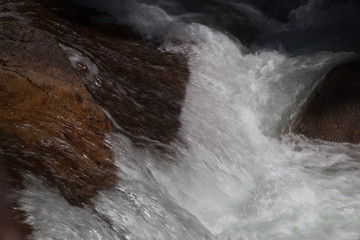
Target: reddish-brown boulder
[[142, 87], [332, 113], [49, 123]]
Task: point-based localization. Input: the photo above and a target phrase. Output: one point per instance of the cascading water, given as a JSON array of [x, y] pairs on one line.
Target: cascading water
[[232, 174]]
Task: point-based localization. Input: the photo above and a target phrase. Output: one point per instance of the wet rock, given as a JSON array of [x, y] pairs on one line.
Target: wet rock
[[142, 87], [49, 123], [89, 17], [226, 17], [12, 220], [332, 112]]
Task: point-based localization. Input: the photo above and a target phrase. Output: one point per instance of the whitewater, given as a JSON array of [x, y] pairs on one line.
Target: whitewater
[[234, 172]]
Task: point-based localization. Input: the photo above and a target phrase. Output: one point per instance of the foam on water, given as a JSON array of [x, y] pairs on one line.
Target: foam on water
[[52, 217], [232, 174], [240, 181]]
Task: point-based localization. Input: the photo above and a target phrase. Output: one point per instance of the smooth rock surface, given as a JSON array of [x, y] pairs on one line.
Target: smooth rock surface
[[49, 123], [333, 111], [142, 87]]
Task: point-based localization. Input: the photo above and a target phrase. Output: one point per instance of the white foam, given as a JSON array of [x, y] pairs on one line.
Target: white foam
[[233, 174], [52, 217], [232, 171]]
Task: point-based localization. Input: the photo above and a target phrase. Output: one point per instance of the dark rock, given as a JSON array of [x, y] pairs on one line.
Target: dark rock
[[89, 17], [141, 86], [143, 89], [333, 111], [49, 123], [222, 16], [12, 220]]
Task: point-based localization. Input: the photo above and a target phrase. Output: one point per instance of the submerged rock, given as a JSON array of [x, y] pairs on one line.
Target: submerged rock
[[333, 111], [49, 123]]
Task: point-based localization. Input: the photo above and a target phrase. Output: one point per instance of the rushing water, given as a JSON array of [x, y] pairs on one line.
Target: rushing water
[[232, 174]]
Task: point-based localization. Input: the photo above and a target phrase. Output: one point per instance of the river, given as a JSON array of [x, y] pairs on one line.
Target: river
[[233, 173]]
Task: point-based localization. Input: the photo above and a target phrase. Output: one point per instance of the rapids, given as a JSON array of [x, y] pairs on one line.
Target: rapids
[[232, 173]]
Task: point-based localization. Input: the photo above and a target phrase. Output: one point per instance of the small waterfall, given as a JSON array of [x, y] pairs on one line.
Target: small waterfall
[[232, 174]]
